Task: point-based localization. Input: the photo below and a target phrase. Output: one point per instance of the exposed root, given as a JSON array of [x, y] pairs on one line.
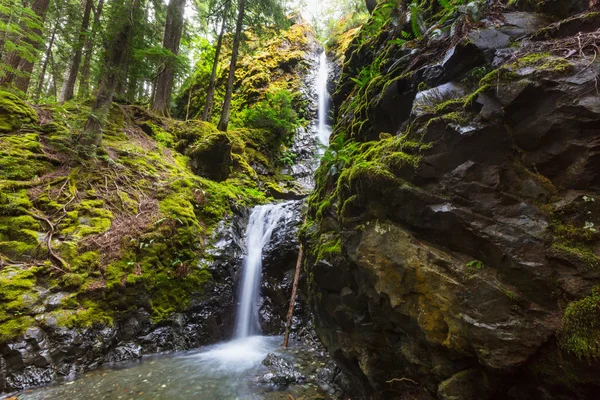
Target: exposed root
[[62, 264]]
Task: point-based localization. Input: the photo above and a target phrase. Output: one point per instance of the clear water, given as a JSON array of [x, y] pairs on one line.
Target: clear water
[[226, 371]]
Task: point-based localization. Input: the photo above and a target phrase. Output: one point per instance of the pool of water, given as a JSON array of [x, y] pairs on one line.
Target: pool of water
[[220, 372]]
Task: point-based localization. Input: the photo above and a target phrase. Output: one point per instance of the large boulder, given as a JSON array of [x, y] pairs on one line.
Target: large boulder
[[211, 156]]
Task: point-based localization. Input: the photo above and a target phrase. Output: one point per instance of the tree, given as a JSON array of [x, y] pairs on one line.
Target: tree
[[210, 93], [18, 63], [123, 20], [171, 41], [224, 121], [84, 85], [42, 76], [68, 88]]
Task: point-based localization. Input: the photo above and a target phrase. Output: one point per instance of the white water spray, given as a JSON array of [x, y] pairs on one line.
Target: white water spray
[[324, 131], [263, 221]]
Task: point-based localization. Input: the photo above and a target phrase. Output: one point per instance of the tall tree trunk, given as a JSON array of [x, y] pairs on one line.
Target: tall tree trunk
[[40, 85], [84, 82], [23, 66], [5, 19], [91, 138], [68, 88], [224, 122], [210, 93], [171, 40]]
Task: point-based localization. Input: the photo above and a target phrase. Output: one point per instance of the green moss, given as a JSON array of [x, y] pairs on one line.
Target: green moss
[[89, 217], [580, 334], [577, 253], [14, 112], [17, 295]]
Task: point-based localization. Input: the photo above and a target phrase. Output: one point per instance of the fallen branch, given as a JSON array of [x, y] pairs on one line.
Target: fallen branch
[[290, 314]]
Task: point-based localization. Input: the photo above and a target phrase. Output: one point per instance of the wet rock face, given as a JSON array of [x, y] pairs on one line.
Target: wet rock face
[[456, 272], [279, 263]]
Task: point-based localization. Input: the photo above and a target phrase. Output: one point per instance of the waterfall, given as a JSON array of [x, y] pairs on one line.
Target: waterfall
[[261, 224], [324, 131]]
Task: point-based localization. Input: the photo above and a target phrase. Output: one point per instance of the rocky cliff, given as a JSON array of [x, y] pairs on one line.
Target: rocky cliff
[[453, 238]]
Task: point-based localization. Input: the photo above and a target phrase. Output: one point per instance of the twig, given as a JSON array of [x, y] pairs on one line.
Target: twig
[[402, 380]]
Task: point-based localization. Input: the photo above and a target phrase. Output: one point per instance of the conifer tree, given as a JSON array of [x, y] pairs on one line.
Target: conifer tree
[[123, 25], [68, 88], [171, 41]]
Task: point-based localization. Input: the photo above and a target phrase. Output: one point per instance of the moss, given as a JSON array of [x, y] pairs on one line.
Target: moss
[[22, 158], [17, 295], [580, 333], [14, 112], [89, 217], [577, 253]]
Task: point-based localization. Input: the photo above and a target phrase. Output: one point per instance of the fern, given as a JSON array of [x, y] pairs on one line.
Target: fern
[[415, 15]]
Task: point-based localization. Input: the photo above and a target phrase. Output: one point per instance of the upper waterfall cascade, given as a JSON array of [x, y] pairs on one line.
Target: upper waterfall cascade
[[324, 130]]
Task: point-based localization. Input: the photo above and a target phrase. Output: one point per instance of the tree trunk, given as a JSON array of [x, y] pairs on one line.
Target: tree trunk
[[224, 122], [210, 93], [22, 65], [5, 19], [171, 40], [84, 81], [91, 138], [40, 85], [68, 89]]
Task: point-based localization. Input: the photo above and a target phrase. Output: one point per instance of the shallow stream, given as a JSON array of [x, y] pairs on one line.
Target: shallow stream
[[227, 371]]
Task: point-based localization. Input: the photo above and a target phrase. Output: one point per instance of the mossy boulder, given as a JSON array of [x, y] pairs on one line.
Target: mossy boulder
[[211, 156], [14, 112]]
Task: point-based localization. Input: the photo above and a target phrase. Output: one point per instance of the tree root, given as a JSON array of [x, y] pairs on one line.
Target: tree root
[[62, 266]]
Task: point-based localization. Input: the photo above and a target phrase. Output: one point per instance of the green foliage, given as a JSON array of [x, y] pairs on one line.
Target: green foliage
[[275, 114], [19, 28], [580, 333]]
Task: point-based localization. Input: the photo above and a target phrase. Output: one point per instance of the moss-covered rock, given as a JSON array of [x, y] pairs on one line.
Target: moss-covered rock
[[452, 240], [14, 112]]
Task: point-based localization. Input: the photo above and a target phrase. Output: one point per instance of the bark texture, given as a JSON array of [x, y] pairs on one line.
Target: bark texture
[[171, 40], [224, 122], [68, 89]]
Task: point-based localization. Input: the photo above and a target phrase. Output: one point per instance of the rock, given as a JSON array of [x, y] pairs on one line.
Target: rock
[[281, 373], [211, 156], [489, 39], [14, 112], [460, 59], [519, 24], [571, 26], [427, 100], [465, 385], [450, 267]]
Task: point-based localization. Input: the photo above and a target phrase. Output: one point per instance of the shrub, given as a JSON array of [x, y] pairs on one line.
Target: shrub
[[274, 113]]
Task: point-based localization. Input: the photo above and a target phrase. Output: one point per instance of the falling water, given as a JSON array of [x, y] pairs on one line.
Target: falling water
[[323, 128], [263, 221]]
